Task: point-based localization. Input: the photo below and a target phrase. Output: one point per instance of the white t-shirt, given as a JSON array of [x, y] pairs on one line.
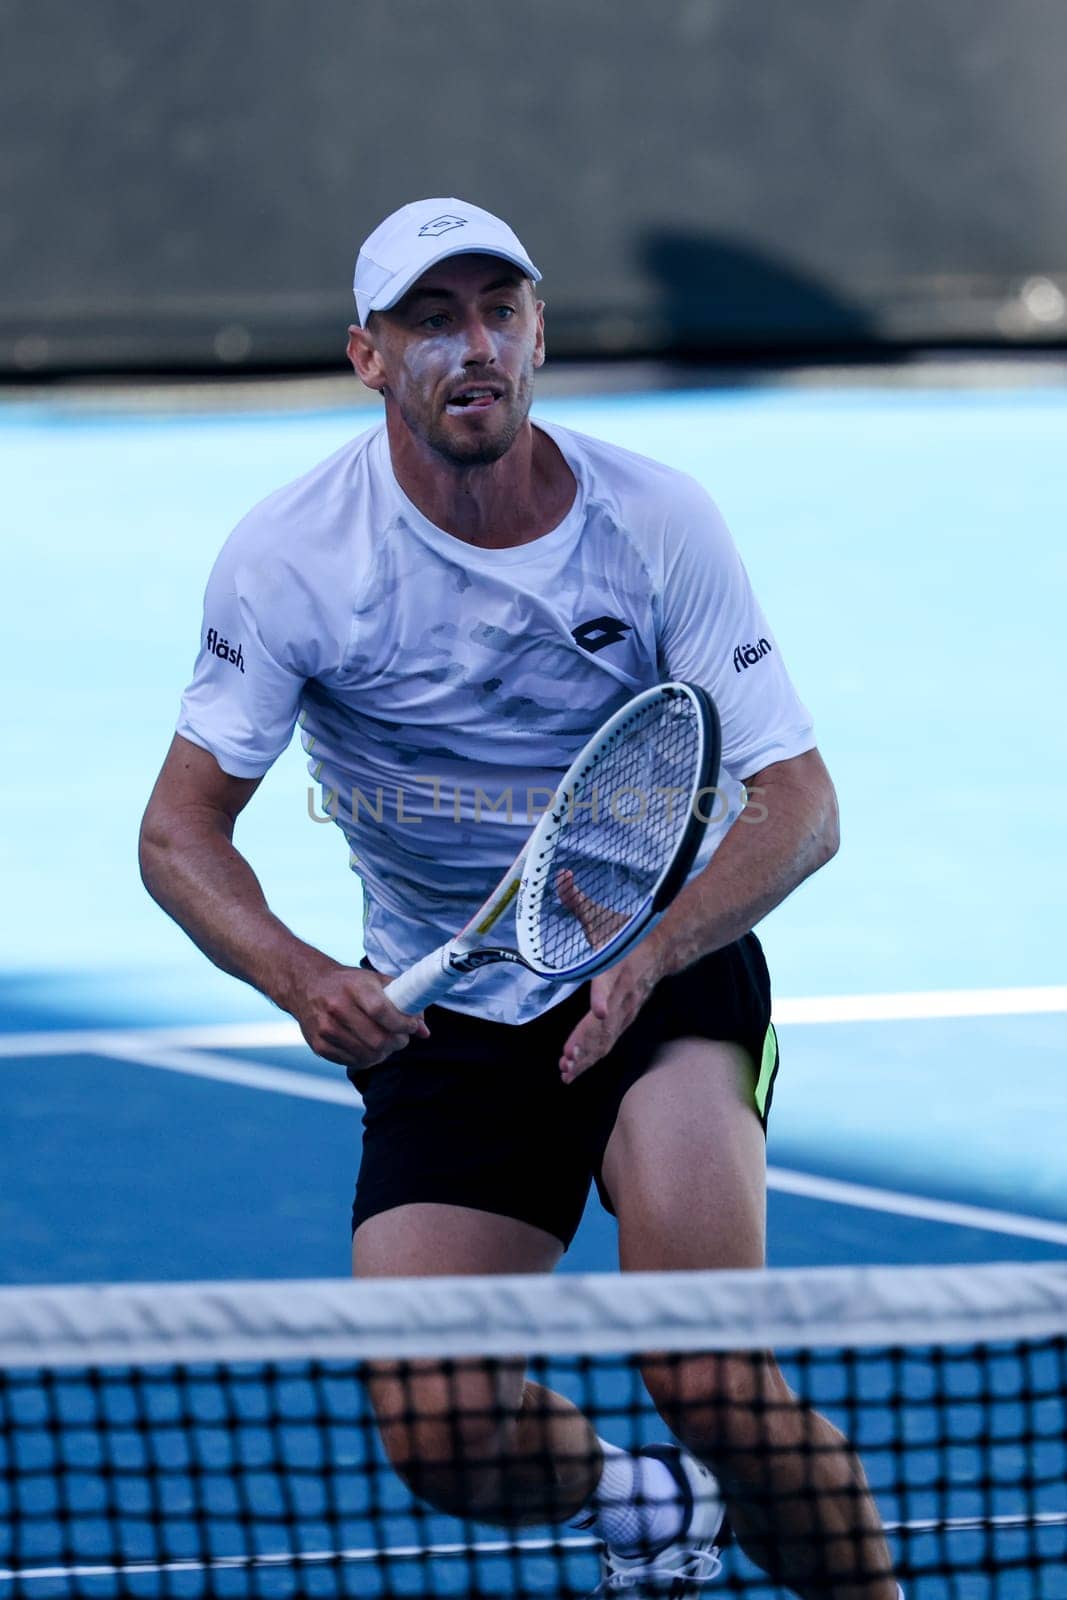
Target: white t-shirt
[[442, 689]]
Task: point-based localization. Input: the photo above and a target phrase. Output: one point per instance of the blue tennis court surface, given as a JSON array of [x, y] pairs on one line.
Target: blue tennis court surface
[[159, 1121]]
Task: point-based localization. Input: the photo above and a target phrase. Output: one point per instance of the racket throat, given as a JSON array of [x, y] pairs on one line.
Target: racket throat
[[462, 961]]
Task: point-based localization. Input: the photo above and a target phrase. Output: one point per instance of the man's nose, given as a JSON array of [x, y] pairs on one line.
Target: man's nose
[[479, 350]]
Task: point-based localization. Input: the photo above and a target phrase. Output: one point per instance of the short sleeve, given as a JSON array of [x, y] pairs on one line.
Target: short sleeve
[[713, 633], [243, 701]]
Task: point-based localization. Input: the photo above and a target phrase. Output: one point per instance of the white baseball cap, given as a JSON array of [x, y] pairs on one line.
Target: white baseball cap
[[416, 237]]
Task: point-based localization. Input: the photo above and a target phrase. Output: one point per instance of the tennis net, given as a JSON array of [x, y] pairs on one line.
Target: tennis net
[[218, 1439]]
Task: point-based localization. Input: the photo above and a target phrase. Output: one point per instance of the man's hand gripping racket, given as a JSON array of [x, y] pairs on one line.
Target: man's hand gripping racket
[[607, 857]]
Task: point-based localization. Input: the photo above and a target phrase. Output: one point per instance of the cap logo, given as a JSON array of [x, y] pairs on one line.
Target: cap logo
[[430, 230]]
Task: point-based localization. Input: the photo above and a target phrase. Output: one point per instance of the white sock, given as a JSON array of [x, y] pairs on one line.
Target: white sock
[[636, 1507]]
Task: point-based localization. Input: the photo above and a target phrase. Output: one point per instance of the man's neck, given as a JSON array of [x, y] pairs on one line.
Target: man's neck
[[511, 501]]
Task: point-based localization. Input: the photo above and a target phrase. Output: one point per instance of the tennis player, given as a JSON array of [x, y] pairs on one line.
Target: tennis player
[[449, 607]]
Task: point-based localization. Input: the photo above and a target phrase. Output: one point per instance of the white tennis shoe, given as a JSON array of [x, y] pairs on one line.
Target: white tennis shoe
[[683, 1568]]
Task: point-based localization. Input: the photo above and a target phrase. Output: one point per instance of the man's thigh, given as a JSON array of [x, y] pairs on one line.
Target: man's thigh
[[686, 1162], [428, 1239]]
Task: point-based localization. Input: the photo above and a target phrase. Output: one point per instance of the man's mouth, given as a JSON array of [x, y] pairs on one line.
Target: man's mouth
[[477, 397]]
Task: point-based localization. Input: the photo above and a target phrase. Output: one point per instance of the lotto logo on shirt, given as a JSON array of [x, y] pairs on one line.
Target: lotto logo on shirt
[[224, 649], [746, 655]]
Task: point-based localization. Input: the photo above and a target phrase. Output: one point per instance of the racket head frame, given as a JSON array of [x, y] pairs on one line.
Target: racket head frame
[[538, 870]]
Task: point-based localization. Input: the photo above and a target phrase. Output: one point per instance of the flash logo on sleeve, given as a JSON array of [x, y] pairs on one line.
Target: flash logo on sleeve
[[224, 649], [746, 655]]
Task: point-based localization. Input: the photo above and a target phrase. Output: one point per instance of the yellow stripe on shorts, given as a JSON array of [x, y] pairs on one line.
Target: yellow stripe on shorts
[[768, 1062]]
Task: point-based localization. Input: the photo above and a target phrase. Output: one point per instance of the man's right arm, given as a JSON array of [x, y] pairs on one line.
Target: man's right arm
[[191, 867]]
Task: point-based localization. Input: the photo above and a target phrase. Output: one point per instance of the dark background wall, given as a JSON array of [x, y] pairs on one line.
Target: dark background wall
[[186, 186]]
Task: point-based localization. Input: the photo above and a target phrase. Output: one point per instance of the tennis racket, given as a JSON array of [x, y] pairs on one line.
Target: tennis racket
[[606, 858]]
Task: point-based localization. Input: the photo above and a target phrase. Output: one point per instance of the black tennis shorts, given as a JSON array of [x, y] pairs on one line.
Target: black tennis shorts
[[477, 1115]]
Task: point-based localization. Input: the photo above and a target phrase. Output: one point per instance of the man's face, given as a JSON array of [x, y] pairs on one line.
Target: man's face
[[457, 356]]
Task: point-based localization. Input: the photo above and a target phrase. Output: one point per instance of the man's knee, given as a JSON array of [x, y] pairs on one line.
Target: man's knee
[[719, 1405], [445, 1430]]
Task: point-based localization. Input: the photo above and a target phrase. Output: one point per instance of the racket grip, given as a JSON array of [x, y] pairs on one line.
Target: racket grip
[[423, 983]]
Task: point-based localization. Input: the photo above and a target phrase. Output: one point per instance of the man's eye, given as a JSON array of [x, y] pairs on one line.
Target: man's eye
[[504, 312], [438, 320]]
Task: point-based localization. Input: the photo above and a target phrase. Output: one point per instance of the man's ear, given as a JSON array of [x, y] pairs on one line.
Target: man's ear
[[365, 357], [539, 347]]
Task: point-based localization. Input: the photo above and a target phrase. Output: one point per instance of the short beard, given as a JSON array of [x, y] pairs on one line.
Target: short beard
[[478, 452]]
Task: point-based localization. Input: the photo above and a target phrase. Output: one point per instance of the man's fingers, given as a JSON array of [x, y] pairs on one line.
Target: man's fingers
[[571, 1063], [595, 1035], [585, 1047], [351, 1049], [354, 1024], [577, 903], [599, 922], [599, 998], [576, 1060], [381, 1008], [615, 998], [569, 893]]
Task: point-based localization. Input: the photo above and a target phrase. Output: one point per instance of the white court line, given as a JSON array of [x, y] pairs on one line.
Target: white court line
[[248, 1074], [836, 1192], [101, 1041], [924, 1005], [487, 1547], [911, 1006]]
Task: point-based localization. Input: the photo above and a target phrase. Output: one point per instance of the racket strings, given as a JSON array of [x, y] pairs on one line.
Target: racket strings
[[622, 823]]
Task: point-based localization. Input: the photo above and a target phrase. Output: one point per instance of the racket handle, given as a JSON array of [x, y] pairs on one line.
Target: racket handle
[[423, 983]]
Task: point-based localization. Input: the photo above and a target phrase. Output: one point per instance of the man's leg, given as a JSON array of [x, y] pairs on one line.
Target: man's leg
[[471, 1438], [685, 1168]]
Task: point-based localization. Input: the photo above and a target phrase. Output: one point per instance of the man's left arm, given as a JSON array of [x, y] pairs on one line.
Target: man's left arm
[[788, 830]]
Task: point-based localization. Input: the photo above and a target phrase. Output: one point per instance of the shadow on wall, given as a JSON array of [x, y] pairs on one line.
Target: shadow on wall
[[715, 295]]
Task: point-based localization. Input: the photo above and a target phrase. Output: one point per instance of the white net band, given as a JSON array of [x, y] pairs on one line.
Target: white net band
[[570, 1314]]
